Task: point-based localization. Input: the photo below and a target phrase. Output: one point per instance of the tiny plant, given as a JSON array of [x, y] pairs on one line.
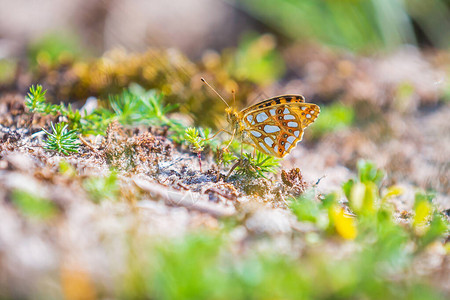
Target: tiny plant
[[193, 138], [195, 142], [252, 166], [35, 100], [224, 157], [95, 122], [134, 106], [138, 106], [256, 165], [61, 139]]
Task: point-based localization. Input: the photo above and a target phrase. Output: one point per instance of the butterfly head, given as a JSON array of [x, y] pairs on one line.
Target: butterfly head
[[232, 116]]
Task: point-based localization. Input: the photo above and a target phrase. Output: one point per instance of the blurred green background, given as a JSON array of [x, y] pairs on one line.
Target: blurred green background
[[81, 48]]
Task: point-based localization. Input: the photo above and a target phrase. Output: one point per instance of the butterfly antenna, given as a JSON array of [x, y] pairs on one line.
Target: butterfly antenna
[[234, 97], [204, 81]]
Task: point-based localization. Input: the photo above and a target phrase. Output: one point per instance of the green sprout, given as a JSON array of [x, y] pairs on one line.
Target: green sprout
[[194, 140], [224, 157], [61, 139], [138, 106], [92, 123], [256, 166], [35, 99], [134, 106], [152, 101], [248, 165]]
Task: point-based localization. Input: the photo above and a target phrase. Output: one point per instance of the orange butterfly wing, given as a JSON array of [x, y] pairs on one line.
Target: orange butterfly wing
[[276, 125]]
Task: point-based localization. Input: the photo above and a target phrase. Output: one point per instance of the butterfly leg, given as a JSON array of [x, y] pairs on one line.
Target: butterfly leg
[[232, 138], [220, 131]]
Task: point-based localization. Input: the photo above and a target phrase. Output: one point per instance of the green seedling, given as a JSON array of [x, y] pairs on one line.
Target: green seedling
[[196, 143], [138, 106], [256, 166], [35, 99], [133, 107], [61, 140]]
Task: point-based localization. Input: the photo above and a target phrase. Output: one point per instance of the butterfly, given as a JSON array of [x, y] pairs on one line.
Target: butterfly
[[273, 126]]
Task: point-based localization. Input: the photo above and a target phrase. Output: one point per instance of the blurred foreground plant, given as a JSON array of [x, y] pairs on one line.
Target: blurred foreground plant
[[103, 188], [201, 266], [33, 206], [370, 213]]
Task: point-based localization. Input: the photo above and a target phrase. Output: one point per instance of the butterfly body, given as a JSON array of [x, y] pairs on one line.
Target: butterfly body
[[274, 126]]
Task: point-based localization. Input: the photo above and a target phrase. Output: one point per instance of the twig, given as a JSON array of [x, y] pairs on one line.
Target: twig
[[232, 169], [228, 196], [87, 144], [172, 163], [186, 199]]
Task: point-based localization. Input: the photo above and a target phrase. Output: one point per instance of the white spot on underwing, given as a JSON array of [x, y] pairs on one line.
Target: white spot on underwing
[[275, 149], [291, 139], [308, 116], [296, 133], [272, 112], [271, 128], [268, 141], [289, 117], [292, 124], [255, 133], [287, 146], [261, 117], [286, 111], [303, 108], [250, 118], [311, 112]]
